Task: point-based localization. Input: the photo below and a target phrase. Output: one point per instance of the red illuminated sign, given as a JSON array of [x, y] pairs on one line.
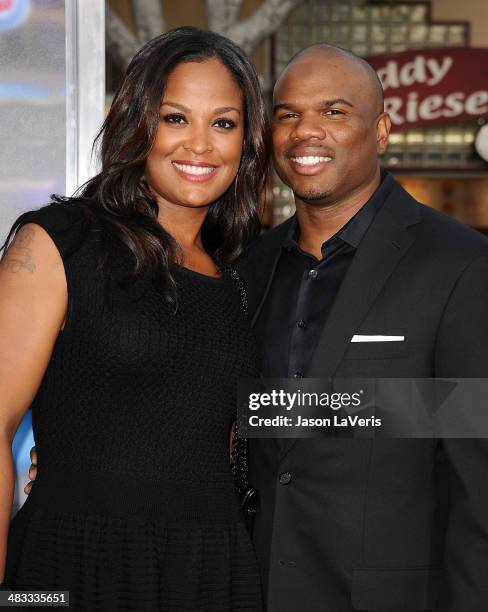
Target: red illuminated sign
[[6, 5], [430, 86]]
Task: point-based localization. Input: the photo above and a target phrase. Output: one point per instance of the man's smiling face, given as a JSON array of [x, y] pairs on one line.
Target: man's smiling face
[[328, 126]]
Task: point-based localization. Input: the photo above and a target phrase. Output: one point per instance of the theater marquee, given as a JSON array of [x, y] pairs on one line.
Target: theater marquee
[[430, 86]]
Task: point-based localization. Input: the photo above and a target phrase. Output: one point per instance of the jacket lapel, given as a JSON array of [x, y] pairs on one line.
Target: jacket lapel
[[383, 246], [258, 270]]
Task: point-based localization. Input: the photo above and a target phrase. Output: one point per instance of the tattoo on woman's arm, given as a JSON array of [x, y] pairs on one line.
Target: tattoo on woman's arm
[[19, 254]]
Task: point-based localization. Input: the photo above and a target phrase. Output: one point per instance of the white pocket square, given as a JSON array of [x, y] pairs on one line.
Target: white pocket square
[[359, 338]]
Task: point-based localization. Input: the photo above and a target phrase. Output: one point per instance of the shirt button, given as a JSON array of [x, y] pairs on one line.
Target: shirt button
[[282, 562], [302, 324], [285, 478], [312, 274], [298, 375]]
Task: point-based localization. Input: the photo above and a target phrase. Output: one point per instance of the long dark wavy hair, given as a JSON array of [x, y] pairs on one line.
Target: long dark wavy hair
[[119, 194]]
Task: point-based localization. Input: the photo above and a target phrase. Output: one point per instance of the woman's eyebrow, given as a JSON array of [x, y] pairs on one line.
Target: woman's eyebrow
[[225, 109], [216, 111], [178, 106]]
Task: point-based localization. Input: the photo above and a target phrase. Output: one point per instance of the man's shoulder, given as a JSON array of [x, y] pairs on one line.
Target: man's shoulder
[[274, 237], [262, 252], [445, 233], [270, 241], [439, 232]]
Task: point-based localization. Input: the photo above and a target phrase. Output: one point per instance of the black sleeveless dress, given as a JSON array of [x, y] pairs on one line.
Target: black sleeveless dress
[[134, 506]]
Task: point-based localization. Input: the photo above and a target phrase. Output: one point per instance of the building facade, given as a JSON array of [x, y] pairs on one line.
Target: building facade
[[438, 162]]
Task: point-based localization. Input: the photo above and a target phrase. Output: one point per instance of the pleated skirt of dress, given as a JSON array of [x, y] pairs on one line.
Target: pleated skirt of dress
[[131, 562]]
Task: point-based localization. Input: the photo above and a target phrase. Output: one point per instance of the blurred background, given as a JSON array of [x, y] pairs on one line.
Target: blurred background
[[62, 60], [434, 157]]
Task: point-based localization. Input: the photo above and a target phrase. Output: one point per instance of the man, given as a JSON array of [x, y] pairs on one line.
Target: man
[[348, 524], [357, 524]]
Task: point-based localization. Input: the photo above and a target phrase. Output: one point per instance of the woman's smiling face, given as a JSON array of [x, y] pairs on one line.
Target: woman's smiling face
[[198, 145]]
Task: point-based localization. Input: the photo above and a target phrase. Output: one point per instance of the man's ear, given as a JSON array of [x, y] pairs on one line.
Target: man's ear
[[383, 127]]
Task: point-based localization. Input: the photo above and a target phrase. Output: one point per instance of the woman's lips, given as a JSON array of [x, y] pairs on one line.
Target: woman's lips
[[196, 172]]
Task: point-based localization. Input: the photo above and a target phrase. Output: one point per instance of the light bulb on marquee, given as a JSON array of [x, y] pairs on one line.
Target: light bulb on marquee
[[481, 142]]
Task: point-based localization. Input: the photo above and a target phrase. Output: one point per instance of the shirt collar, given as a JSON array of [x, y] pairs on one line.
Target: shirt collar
[[355, 229]]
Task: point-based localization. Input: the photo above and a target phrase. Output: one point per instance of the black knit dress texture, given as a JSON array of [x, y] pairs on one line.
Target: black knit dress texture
[[134, 506]]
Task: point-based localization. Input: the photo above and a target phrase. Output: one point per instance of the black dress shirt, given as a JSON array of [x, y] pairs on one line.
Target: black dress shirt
[[304, 289]]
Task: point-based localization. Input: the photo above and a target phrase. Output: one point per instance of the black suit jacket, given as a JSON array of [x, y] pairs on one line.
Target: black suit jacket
[[383, 525]]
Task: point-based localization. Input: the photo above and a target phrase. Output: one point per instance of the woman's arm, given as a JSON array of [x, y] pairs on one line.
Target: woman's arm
[[33, 304]]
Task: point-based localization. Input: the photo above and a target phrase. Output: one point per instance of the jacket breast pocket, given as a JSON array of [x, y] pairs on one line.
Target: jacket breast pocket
[[382, 590], [377, 350]]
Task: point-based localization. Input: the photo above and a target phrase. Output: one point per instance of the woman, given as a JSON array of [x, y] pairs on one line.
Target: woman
[[120, 324]]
